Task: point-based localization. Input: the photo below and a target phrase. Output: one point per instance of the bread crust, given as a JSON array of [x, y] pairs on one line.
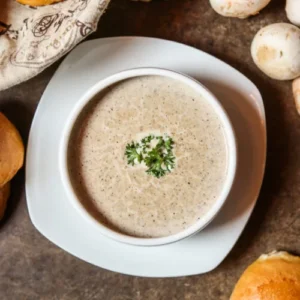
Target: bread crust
[[38, 2], [4, 195], [11, 150], [275, 276]]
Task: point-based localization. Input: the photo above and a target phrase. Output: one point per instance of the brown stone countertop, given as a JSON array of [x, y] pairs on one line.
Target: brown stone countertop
[[33, 268]]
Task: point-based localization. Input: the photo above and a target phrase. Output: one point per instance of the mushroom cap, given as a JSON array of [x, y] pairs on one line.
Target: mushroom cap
[[293, 11], [276, 51], [238, 8]]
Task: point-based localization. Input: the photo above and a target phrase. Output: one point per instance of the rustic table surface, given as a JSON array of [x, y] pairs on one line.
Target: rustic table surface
[[33, 268]]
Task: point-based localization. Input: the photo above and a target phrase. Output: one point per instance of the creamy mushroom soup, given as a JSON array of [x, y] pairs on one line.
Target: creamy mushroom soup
[[154, 188]]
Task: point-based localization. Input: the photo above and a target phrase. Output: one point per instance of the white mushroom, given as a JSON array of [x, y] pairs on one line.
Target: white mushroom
[[293, 11], [276, 51], [296, 92], [238, 8]]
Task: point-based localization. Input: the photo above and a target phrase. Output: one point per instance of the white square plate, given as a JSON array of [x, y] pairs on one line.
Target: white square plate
[[49, 208]]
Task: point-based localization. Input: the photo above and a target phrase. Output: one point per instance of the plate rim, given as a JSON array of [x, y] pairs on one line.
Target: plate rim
[[33, 125]]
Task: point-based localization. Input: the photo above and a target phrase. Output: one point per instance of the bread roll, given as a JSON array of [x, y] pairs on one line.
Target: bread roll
[[275, 276], [4, 194], [11, 150]]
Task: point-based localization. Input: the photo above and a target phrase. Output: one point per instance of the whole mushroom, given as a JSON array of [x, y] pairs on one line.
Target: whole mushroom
[[276, 51], [293, 11], [238, 8]]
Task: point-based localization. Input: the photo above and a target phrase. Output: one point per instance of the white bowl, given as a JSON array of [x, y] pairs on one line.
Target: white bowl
[[230, 139]]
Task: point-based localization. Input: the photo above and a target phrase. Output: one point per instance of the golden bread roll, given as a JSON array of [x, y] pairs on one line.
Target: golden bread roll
[[38, 2], [11, 150], [275, 276], [4, 194]]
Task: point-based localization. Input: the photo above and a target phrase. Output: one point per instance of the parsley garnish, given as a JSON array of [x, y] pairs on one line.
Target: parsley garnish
[[133, 153], [158, 158]]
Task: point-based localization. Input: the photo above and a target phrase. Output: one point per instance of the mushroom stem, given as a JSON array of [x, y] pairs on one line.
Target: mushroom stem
[[296, 92]]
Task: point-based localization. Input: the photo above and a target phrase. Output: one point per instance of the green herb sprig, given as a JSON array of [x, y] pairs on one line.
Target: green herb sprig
[[133, 153], [159, 158]]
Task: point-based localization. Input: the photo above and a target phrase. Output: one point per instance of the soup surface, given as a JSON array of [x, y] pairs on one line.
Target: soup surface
[[125, 197]]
